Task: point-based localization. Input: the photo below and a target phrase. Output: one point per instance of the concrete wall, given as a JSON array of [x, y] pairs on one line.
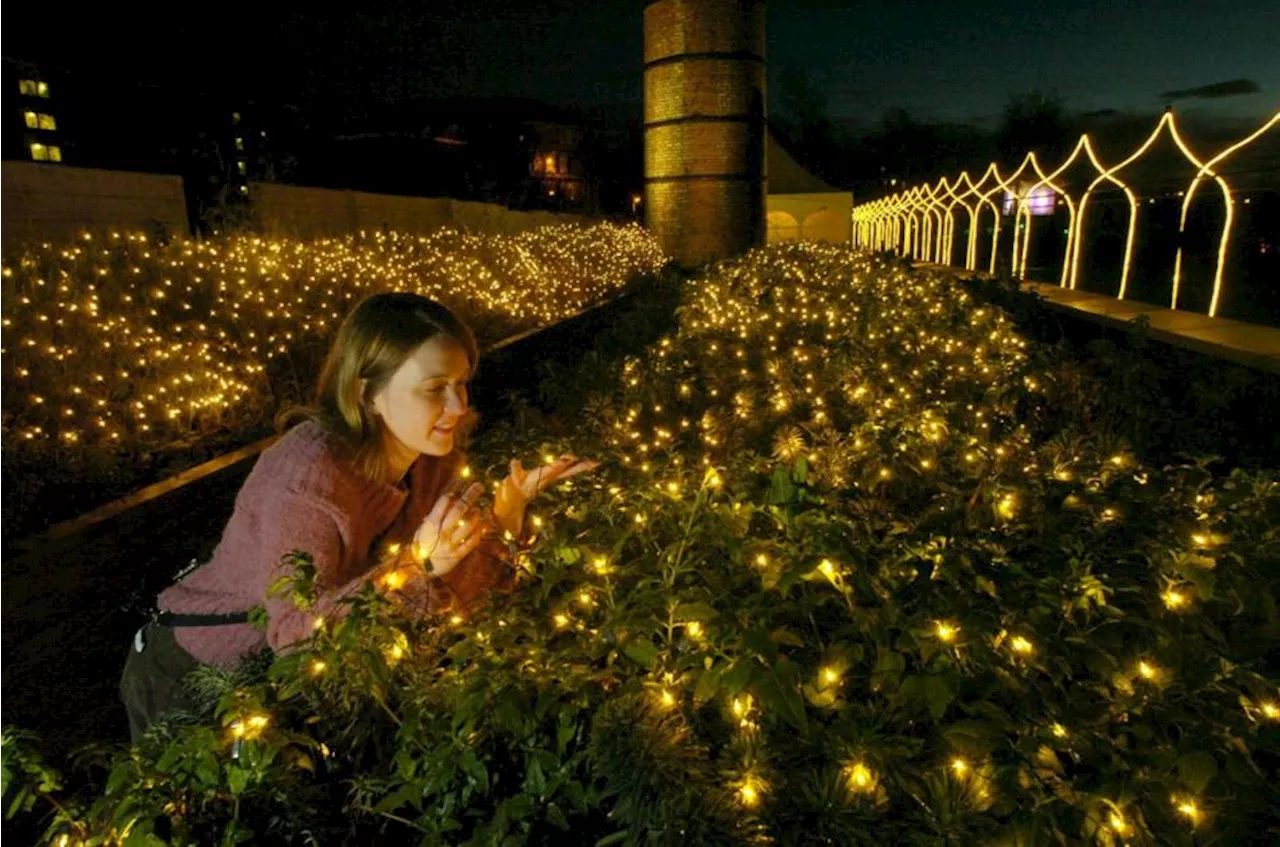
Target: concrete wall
[[45, 202], [287, 210], [810, 217]]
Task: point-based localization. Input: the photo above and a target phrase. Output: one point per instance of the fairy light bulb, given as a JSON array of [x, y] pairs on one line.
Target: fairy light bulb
[[861, 777], [946, 632]]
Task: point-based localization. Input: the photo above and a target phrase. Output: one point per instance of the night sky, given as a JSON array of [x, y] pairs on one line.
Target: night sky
[[939, 60]]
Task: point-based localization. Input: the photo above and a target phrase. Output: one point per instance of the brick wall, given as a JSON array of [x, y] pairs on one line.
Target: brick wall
[[287, 210], [45, 202]]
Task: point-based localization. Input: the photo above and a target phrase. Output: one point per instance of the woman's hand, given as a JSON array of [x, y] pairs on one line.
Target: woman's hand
[[521, 486], [451, 530]]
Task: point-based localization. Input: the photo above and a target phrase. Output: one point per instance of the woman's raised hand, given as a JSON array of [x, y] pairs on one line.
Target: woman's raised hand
[[451, 530], [521, 486]]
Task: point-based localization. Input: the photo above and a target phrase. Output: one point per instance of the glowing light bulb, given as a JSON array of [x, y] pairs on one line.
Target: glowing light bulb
[[946, 632], [860, 777], [1021, 645]]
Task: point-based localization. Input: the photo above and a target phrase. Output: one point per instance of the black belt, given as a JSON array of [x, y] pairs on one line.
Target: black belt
[[180, 619]]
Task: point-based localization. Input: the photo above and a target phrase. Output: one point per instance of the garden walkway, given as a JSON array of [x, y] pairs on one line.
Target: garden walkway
[[1254, 345], [1249, 344]]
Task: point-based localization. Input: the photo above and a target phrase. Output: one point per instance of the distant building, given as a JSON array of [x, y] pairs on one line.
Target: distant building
[[31, 115], [514, 152], [558, 168], [519, 153]]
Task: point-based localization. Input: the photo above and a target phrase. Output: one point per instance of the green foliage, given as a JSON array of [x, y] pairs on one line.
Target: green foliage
[[854, 572]]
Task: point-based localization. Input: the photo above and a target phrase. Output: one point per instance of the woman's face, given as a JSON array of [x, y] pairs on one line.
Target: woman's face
[[424, 399]]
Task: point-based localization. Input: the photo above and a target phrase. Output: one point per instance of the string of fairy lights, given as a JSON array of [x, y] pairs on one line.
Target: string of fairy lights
[[921, 221], [118, 342]]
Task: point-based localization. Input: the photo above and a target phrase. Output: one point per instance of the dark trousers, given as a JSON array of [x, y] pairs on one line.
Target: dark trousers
[[152, 680]]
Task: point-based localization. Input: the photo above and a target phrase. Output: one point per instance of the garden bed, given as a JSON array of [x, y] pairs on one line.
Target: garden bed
[[126, 361]]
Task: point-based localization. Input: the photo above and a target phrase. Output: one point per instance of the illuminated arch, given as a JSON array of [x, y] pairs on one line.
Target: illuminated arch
[[1207, 169], [921, 222]]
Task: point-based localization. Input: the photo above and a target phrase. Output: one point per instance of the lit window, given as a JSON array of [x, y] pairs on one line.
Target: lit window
[[42, 89], [47, 121], [55, 154], [549, 164], [564, 164], [27, 86], [39, 152], [239, 143], [32, 119]]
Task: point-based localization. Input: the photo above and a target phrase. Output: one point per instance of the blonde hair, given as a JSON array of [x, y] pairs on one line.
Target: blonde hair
[[374, 340]]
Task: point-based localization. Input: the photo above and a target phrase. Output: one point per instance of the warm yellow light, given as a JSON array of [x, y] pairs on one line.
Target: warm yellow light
[[1118, 823], [694, 629], [1189, 809], [1008, 506], [394, 580], [1021, 645], [317, 667], [1059, 730], [762, 560], [945, 631], [667, 698], [1146, 670], [860, 777], [828, 569], [561, 620], [1174, 599], [830, 676], [1270, 710], [959, 767]]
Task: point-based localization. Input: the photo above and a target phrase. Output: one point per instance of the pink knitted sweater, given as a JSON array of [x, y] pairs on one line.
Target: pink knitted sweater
[[304, 494]]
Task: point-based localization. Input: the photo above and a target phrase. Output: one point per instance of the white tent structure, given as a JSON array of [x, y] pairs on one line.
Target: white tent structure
[[801, 207]]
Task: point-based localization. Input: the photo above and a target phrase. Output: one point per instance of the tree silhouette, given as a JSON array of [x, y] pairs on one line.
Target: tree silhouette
[[1034, 121]]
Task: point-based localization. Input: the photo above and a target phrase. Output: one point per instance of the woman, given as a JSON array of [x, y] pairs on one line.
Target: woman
[[368, 486]]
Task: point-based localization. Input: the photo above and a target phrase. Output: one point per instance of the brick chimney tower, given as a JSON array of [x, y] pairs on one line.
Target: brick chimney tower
[[704, 126]]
